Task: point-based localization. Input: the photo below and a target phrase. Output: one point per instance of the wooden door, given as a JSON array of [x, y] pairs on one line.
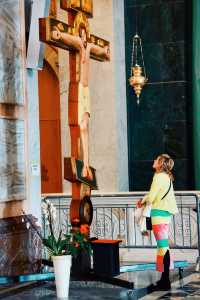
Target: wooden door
[[50, 132]]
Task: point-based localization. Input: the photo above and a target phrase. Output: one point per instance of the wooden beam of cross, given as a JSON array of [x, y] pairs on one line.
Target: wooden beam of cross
[[49, 27], [75, 36], [85, 6]]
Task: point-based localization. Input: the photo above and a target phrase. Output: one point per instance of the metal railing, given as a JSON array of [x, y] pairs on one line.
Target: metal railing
[[114, 218]]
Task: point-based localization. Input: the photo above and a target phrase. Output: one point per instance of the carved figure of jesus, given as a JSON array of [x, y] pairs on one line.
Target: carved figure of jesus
[[80, 43]]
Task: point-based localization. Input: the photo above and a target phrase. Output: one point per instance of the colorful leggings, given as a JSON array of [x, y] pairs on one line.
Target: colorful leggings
[[160, 223]]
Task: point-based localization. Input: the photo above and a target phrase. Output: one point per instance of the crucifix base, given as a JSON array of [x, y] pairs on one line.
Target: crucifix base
[[73, 172], [81, 212]]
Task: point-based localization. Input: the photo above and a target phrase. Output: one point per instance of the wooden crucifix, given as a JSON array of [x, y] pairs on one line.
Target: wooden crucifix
[[82, 45]]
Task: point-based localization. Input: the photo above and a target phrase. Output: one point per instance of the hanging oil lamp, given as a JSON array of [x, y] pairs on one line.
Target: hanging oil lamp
[[137, 79]]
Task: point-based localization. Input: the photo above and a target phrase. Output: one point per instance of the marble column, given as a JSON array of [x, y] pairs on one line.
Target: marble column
[[120, 95], [20, 144], [33, 202]]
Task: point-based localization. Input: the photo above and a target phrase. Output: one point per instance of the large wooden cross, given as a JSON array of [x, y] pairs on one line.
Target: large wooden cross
[[82, 45]]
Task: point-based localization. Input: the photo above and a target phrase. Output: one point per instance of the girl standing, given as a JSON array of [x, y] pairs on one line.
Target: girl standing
[[161, 197]]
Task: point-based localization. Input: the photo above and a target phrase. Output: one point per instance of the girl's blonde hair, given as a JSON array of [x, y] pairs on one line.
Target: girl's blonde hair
[[166, 164]]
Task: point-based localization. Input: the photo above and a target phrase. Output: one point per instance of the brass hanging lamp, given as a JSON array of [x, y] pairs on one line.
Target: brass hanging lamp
[[137, 79]]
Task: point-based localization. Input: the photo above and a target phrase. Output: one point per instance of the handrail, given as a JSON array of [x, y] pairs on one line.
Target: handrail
[[114, 218]]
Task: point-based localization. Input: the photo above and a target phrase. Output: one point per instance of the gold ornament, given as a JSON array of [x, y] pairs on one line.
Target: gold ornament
[[137, 81]]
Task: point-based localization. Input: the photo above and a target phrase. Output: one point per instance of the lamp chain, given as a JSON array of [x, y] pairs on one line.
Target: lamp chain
[[132, 56], [136, 17], [142, 58], [136, 50], [137, 80]]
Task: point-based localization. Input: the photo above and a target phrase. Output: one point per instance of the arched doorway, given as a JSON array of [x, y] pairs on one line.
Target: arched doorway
[[50, 132]]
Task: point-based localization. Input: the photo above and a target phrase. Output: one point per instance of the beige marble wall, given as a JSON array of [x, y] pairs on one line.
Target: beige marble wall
[[103, 117], [104, 134], [64, 83]]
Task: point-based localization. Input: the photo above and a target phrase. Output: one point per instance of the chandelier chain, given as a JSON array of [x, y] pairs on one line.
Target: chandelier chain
[[142, 58], [136, 50], [132, 56], [137, 80], [136, 17]]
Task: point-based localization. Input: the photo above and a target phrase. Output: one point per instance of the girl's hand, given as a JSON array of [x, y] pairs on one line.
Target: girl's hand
[[139, 203], [146, 233]]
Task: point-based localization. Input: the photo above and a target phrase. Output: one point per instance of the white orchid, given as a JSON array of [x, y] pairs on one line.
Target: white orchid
[[45, 210], [49, 211], [54, 214]]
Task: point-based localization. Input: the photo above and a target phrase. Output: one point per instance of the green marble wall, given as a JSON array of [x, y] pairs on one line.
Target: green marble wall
[[162, 123], [196, 89]]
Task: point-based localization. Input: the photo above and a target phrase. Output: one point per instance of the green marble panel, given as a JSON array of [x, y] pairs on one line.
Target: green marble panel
[[141, 174], [160, 102], [175, 139], [130, 3], [163, 62], [163, 120], [183, 174], [147, 141], [165, 21], [196, 90]]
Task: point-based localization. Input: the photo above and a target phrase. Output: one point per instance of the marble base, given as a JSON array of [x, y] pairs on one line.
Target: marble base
[[20, 247], [98, 291]]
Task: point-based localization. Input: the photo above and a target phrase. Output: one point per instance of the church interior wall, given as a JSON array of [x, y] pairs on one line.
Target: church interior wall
[[106, 155], [162, 123]]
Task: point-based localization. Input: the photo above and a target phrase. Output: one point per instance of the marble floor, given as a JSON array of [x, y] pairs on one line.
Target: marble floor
[[189, 288]]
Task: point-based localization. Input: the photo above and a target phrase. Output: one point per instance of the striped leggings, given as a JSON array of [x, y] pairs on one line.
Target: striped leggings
[[160, 223]]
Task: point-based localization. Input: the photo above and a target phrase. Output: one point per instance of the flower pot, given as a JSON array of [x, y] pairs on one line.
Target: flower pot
[[62, 266]]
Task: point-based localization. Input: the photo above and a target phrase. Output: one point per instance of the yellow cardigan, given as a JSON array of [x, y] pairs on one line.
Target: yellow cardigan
[[159, 187]]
